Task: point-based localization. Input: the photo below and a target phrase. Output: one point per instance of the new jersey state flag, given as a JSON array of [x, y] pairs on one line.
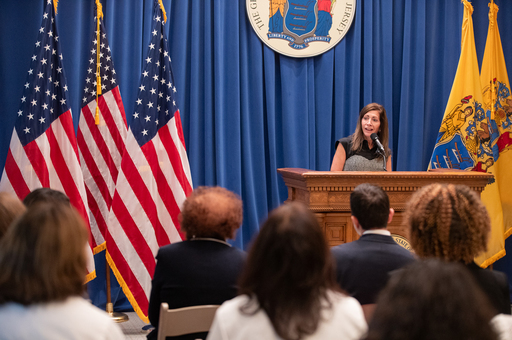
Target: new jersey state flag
[[457, 145], [494, 134]]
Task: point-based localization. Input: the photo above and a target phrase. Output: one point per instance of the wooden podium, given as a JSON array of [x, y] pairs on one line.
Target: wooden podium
[[328, 194]]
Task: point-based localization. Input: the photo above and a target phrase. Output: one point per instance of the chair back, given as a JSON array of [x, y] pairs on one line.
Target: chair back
[[187, 320]]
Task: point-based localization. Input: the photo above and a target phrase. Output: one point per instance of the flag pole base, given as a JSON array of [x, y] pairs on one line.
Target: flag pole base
[[117, 317]]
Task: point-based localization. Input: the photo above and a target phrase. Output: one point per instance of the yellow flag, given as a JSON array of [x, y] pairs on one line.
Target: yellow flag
[[495, 135], [457, 144]]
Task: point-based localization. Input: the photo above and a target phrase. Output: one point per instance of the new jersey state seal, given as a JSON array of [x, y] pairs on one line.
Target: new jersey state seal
[[301, 28]]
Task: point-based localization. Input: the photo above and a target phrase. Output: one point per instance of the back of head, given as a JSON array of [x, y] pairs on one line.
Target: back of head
[[211, 212], [45, 195], [10, 208], [370, 205], [432, 300], [289, 270], [448, 222], [42, 256]]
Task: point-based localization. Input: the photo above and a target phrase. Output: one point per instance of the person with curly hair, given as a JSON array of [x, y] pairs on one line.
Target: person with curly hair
[[432, 299], [451, 223], [203, 269], [42, 275], [288, 290]]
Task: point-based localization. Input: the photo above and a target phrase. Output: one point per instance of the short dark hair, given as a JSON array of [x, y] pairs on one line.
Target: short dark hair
[[211, 212], [289, 271], [432, 299], [370, 205], [45, 195], [42, 255]]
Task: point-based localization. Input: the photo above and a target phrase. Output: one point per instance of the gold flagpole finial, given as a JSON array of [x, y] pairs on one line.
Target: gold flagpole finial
[[163, 10], [99, 11]]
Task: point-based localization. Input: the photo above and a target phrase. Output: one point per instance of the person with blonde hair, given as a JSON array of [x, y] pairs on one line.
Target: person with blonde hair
[[288, 289], [204, 268], [10, 208], [450, 222], [42, 274]]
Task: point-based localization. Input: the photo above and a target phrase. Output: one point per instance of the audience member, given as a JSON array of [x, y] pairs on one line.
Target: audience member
[[42, 271], [363, 266], [288, 290], [432, 300], [502, 323], [10, 208], [451, 223], [204, 269], [47, 195]]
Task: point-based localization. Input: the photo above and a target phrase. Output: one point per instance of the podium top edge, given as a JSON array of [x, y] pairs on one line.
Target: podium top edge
[[359, 174]]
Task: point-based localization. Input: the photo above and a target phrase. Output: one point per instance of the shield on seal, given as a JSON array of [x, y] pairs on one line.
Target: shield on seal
[[300, 19]]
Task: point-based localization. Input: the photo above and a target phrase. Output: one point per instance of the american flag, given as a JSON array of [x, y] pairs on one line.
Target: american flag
[[43, 150], [101, 146], [154, 179]]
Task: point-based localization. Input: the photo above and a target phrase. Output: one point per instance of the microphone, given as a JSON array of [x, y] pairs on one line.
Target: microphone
[[376, 140]]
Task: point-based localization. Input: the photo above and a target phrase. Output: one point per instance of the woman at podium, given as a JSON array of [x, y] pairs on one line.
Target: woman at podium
[[367, 148]]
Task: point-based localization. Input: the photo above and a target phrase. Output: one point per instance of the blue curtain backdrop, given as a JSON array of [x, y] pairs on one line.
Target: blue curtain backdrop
[[247, 110]]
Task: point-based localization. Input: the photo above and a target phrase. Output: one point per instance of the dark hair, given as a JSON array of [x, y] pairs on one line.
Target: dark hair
[[448, 222], [10, 208], [383, 133], [289, 271], [42, 255], [370, 205], [211, 212], [432, 300], [45, 195]]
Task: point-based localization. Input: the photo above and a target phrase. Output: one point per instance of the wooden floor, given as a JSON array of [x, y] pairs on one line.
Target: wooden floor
[[133, 328]]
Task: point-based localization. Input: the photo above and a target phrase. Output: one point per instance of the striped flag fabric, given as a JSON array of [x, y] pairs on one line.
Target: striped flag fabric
[[43, 150], [494, 131], [101, 133], [154, 179]]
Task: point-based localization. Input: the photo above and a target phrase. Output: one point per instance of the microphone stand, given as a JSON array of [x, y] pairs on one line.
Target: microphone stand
[[383, 158], [380, 149]]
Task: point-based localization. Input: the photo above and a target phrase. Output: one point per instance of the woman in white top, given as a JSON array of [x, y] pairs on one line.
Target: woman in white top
[[42, 274], [288, 290]]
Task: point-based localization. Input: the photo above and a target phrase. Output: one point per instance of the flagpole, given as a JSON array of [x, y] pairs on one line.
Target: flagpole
[[492, 18], [117, 317]]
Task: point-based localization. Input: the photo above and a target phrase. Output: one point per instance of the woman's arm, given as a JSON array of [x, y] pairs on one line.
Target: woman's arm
[[338, 161], [388, 163]]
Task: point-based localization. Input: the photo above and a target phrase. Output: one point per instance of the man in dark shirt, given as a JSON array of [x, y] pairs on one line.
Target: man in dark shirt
[[363, 266]]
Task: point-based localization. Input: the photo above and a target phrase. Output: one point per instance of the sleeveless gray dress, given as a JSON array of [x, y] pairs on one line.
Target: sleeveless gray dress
[[365, 159]]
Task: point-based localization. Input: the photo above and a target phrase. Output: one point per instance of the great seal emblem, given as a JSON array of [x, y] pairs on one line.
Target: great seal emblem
[[301, 28]]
